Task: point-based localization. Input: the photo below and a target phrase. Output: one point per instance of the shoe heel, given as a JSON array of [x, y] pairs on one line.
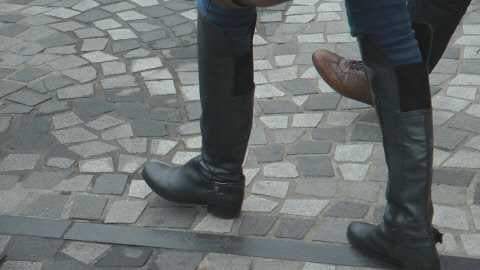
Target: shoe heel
[[224, 212]]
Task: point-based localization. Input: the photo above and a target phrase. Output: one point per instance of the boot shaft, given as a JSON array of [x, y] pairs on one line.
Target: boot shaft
[[403, 104], [226, 96]]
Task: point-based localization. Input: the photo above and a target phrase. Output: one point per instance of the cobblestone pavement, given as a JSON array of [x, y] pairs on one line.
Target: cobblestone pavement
[[92, 89]]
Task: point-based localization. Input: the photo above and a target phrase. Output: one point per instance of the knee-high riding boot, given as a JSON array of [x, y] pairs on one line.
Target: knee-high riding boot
[[403, 104], [215, 178]]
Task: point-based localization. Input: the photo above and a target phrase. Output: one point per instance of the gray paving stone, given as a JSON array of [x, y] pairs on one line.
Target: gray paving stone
[[93, 107], [258, 204], [124, 256], [315, 166], [332, 231], [85, 252], [46, 179], [353, 152], [34, 248], [76, 184], [54, 107], [450, 217], [467, 123], [175, 218], [380, 174], [448, 195], [280, 169], [134, 111], [168, 102], [276, 189], [348, 210], [82, 75], [309, 147], [258, 137], [66, 120], [13, 30], [323, 102], [28, 98], [110, 184], [378, 212], [150, 129], [288, 136], [49, 84], [476, 196], [271, 264], [175, 260], [8, 181], [269, 153], [323, 187], [47, 205], [278, 106], [58, 40], [329, 134], [5, 122], [93, 148], [19, 162], [125, 45], [300, 87], [16, 109], [129, 163], [104, 122], [448, 138], [453, 177], [36, 33], [368, 133], [125, 95], [123, 131], [10, 201], [221, 262], [194, 111], [67, 62], [301, 207], [125, 212], [363, 191], [7, 88], [88, 207], [26, 48], [169, 116], [293, 228], [22, 265], [134, 145], [4, 72], [29, 142], [256, 225], [92, 15], [119, 82], [33, 125], [75, 134]]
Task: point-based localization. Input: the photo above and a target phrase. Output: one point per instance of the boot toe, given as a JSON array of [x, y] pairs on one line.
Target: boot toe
[[151, 174], [357, 231]]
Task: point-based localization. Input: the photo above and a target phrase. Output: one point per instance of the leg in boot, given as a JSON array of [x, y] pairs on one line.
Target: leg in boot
[[215, 178], [347, 76], [403, 104]]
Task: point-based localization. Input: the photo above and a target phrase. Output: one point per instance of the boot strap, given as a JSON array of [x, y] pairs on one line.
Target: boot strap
[[421, 242]]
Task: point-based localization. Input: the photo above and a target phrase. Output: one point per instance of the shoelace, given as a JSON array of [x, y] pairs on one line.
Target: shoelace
[[354, 64]]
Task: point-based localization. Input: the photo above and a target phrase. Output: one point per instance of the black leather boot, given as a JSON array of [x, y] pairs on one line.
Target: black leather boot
[[403, 104], [443, 16], [215, 178]]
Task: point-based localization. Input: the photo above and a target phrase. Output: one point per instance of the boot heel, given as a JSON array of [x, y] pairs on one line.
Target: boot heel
[[224, 212]]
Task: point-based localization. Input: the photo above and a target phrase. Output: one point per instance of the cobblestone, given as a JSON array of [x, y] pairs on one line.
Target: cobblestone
[[91, 90]]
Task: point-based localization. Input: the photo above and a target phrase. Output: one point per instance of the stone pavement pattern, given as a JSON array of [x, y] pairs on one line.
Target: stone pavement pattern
[[92, 90]]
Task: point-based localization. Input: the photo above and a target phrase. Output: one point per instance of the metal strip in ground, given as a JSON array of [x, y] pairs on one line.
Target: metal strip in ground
[[182, 240]]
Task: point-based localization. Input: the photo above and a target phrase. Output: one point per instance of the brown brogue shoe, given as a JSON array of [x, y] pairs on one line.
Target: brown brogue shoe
[[346, 76]]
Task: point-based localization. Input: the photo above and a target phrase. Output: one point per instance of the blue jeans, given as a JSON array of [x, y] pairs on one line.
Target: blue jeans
[[236, 24], [387, 20]]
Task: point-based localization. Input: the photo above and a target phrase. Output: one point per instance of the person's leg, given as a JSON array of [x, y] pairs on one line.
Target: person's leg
[[347, 77], [399, 82], [225, 61]]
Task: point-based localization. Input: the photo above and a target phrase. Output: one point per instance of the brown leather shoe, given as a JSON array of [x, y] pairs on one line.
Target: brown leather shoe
[[346, 76]]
